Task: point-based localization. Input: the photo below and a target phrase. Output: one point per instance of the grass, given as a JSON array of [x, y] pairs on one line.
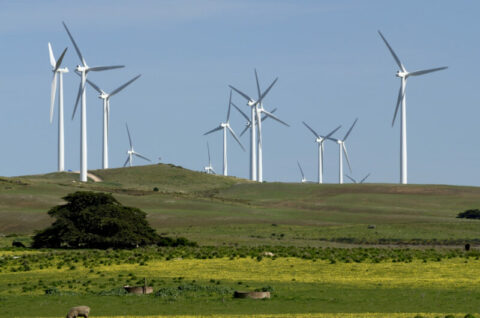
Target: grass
[[209, 209], [186, 286]]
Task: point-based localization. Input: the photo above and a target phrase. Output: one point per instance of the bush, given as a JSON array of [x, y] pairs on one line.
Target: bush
[[470, 214], [95, 220]]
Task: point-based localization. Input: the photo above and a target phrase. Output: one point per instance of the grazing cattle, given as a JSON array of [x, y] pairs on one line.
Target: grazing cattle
[[79, 311]]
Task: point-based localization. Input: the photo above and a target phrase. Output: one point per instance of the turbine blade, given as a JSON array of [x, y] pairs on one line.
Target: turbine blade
[[80, 92], [259, 101], [126, 161], [353, 180], [346, 156], [301, 170], [60, 59], [75, 45], [241, 112], [235, 136], [416, 73], [244, 130], [350, 130], [258, 84], [105, 68], [241, 93], [140, 156], [52, 96], [215, 129], [361, 181], [311, 129], [213, 170], [265, 117], [94, 86], [125, 85], [229, 106], [50, 53], [331, 133], [393, 53], [274, 117], [401, 93], [129, 137]]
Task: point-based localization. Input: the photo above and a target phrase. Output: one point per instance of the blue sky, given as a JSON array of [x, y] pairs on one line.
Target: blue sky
[[331, 63]]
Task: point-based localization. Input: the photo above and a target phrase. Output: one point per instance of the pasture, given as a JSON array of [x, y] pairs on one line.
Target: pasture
[[328, 262], [201, 281]]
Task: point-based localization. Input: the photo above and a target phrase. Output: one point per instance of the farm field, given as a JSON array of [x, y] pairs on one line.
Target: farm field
[[368, 250], [217, 210], [46, 284]]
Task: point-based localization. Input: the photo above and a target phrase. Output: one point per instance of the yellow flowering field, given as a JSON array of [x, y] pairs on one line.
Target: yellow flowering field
[[445, 274]]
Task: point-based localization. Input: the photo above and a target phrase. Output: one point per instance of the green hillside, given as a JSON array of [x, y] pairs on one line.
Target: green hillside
[[226, 210]]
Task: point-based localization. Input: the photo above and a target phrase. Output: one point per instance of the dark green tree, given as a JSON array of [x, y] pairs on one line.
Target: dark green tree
[[95, 220]]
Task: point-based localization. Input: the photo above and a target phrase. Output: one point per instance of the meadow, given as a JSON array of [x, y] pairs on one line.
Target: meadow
[[368, 250]]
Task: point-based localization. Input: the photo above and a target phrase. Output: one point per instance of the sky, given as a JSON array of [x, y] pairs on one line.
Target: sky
[[331, 63]]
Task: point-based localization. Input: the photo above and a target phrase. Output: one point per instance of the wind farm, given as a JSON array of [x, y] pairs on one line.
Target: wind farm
[[243, 159]]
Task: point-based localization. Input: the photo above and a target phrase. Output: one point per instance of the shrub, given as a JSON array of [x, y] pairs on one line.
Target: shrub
[[95, 220], [470, 214]]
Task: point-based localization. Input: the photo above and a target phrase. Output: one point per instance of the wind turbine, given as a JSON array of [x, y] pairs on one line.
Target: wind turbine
[[248, 124], [404, 74], [84, 69], [226, 126], [209, 168], [106, 113], [301, 172], [259, 110], [355, 181], [57, 70], [132, 152], [254, 121], [343, 150], [320, 140]]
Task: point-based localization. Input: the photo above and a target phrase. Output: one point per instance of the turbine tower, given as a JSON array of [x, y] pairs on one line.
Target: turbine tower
[[343, 150], [403, 74], [226, 126], [254, 112], [106, 113], [84, 69], [301, 172], [320, 140], [209, 169], [57, 70], [131, 152]]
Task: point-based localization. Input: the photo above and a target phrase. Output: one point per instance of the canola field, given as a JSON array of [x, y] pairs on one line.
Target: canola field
[[47, 283]]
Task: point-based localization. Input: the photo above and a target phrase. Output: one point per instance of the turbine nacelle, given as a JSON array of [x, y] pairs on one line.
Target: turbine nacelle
[[251, 103], [402, 74], [61, 70], [103, 95], [81, 68], [224, 125]]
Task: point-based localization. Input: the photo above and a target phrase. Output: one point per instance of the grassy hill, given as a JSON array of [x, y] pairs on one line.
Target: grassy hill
[[226, 210]]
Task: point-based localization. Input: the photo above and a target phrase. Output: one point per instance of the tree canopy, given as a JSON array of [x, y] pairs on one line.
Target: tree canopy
[[95, 220]]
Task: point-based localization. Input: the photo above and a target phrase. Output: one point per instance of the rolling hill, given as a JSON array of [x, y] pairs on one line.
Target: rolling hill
[[218, 210]]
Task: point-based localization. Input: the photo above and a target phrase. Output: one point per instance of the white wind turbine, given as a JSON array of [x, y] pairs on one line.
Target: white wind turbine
[[355, 181], [259, 109], [256, 110], [131, 152], [106, 113], [404, 74], [226, 126], [209, 169], [343, 150], [320, 140], [57, 70], [84, 69], [301, 172]]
